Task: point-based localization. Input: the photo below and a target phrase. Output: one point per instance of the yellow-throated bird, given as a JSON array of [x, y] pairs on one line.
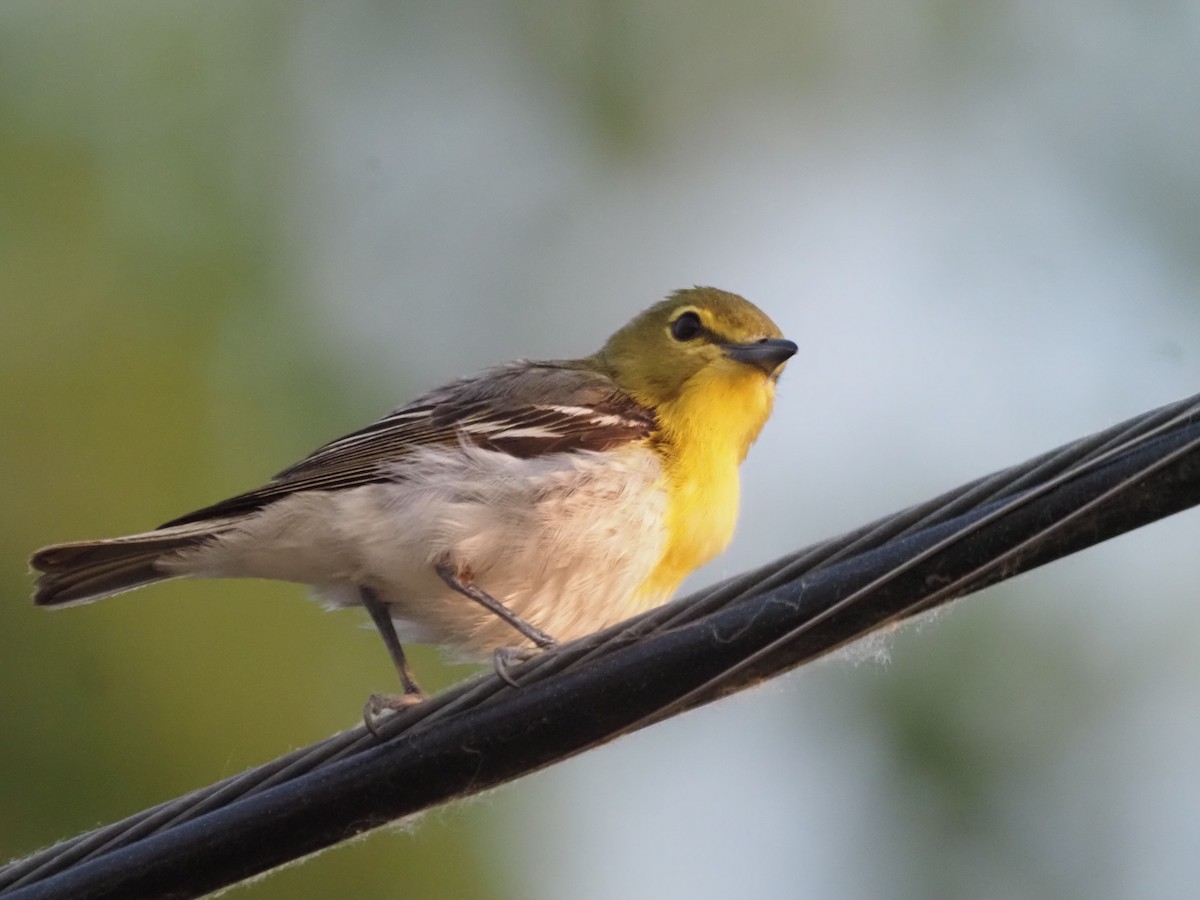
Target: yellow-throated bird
[[540, 498]]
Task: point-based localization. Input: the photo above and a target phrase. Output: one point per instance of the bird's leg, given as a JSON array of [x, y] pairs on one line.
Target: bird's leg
[[387, 630], [462, 584]]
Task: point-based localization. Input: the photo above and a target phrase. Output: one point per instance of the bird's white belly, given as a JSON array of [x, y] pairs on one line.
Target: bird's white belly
[[564, 540]]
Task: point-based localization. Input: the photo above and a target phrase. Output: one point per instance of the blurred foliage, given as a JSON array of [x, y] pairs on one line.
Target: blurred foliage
[[151, 363], [231, 231]]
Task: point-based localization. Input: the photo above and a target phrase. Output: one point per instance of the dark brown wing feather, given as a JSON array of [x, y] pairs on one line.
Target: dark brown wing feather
[[503, 409]]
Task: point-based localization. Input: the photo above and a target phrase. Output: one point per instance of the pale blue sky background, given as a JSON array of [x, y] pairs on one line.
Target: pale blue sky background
[[980, 223]]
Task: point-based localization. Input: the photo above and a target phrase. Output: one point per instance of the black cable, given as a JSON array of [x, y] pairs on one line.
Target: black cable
[[750, 627]]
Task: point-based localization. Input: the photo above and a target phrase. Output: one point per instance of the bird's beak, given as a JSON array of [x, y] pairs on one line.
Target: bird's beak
[[768, 354]]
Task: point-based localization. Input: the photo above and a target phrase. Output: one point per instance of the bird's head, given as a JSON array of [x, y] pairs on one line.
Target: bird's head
[[706, 361], [719, 337]]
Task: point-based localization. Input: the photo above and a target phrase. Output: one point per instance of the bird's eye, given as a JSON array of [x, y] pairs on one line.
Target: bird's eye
[[686, 327]]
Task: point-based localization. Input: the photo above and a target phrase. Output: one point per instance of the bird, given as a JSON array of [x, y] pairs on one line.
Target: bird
[[501, 513]]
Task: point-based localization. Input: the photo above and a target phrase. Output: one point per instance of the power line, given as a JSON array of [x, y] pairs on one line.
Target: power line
[[754, 626]]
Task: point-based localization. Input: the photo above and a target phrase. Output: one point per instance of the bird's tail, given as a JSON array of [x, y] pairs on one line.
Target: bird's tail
[[89, 570]]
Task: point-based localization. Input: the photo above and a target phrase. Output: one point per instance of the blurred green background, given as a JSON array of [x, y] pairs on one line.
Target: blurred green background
[[230, 232]]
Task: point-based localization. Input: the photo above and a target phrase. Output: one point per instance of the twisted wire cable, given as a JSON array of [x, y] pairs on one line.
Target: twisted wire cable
[[679, 656]]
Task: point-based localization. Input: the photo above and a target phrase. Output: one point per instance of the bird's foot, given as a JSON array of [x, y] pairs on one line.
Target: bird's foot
[[504, 658], [380, 706]]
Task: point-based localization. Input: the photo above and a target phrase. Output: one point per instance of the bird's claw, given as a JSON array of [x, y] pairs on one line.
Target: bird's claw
[[380, 706], [504, 658]]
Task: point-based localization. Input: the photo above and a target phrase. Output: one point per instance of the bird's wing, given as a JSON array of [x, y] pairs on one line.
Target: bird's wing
[[524, 409]]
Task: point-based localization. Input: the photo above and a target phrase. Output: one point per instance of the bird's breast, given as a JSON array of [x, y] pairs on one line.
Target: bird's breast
[[702, 508]]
